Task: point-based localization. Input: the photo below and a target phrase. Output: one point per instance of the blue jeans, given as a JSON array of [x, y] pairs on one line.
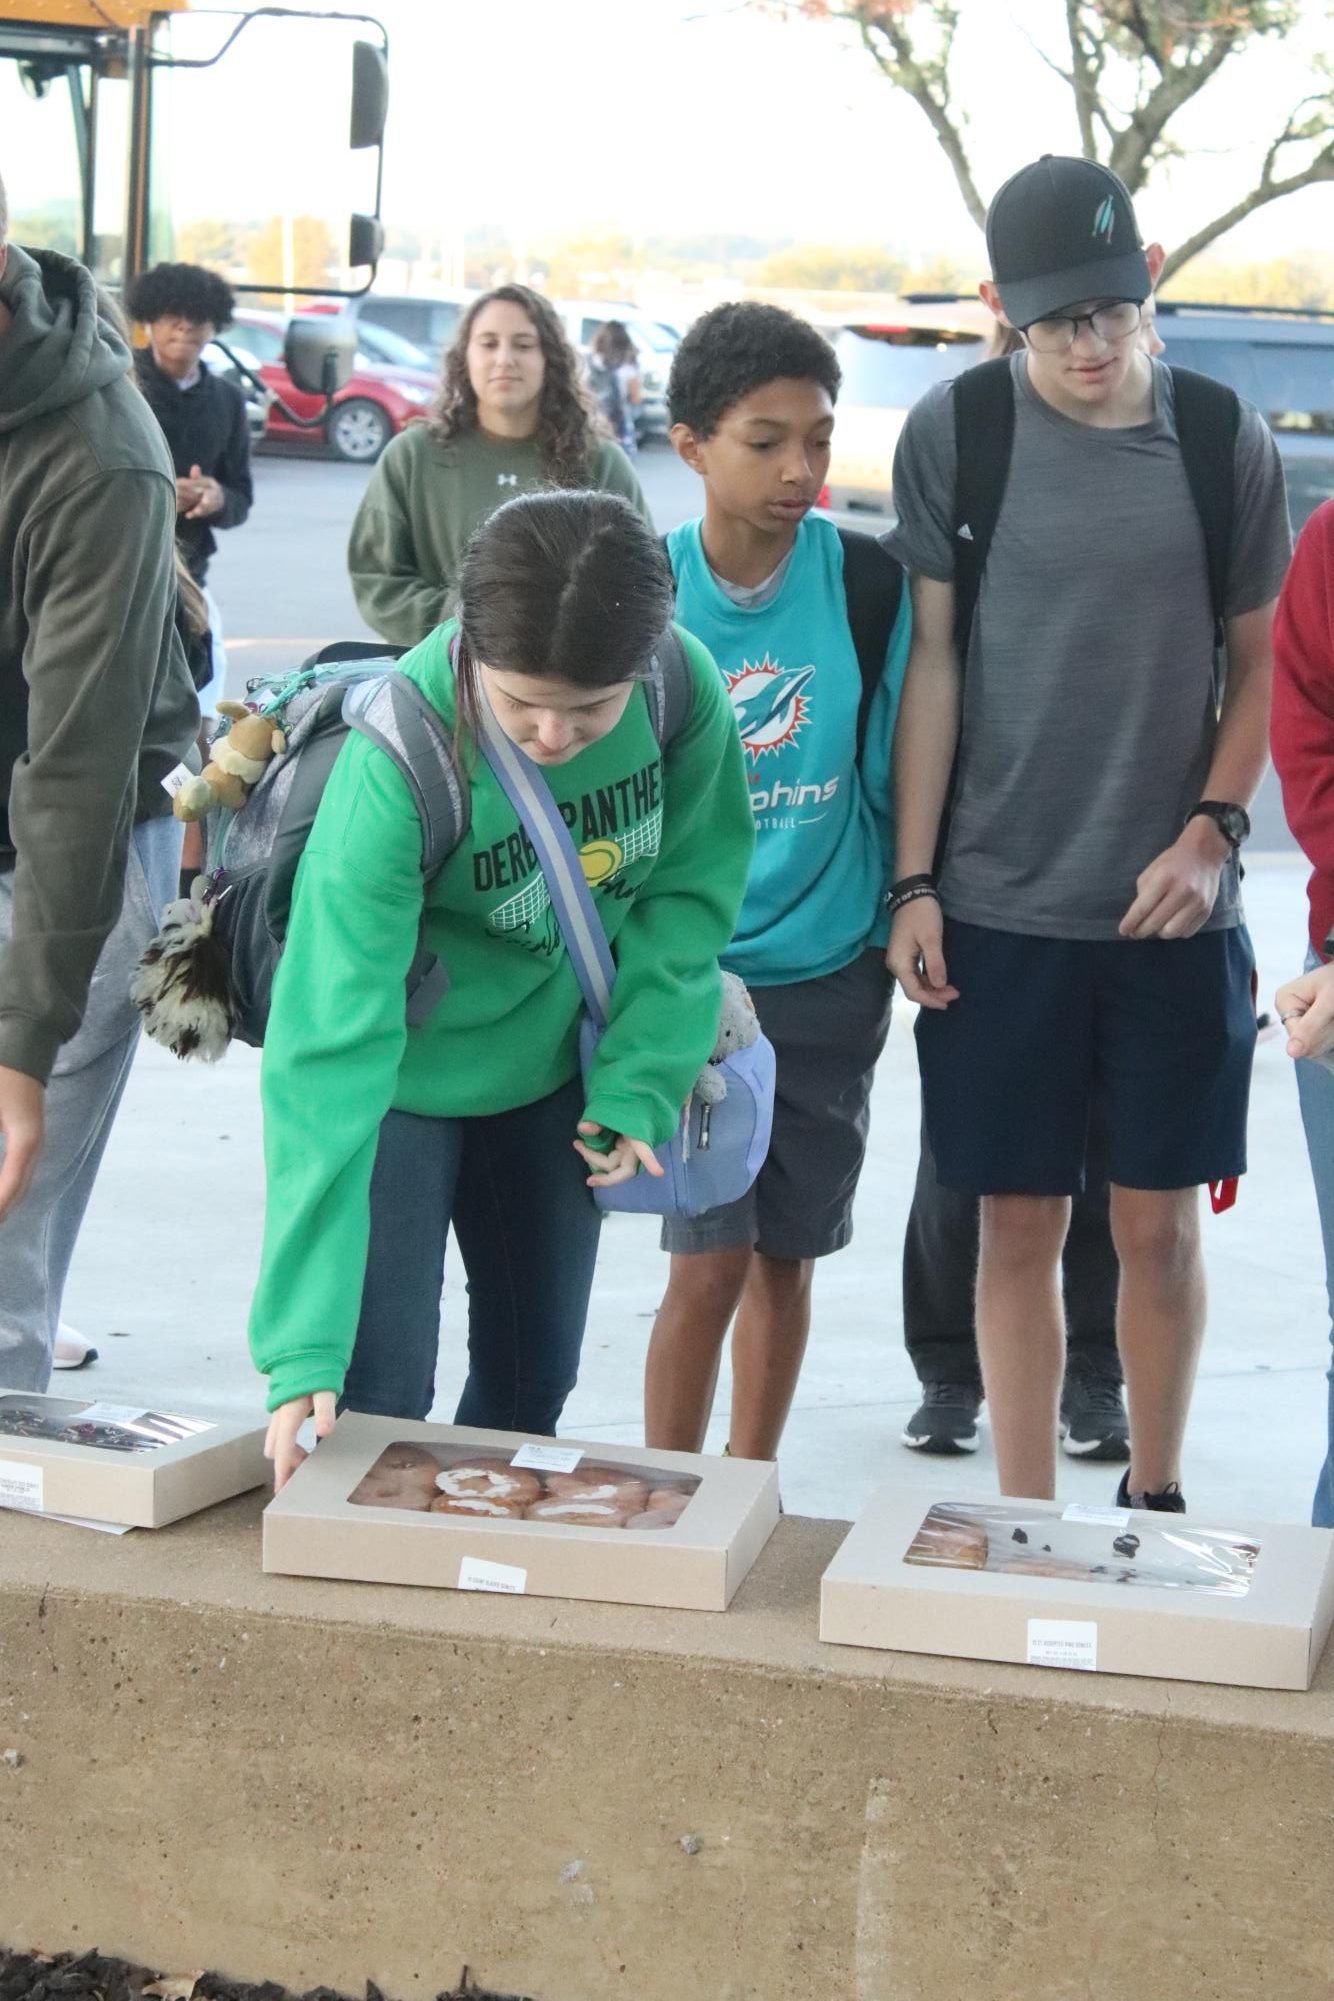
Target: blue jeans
[[1315, 1091], [527, 1229]]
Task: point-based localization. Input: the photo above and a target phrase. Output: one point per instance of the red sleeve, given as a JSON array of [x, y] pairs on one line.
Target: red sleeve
[[1303, 714]]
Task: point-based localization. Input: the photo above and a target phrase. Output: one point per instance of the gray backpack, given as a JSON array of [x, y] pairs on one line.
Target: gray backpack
[[222, 954]]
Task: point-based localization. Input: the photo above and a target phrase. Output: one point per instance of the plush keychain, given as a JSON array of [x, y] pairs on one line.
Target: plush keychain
[[236, 762]]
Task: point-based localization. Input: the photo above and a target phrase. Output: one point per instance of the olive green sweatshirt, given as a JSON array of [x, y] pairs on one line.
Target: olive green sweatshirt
[[665, 839], [420, 509], [96, 701]]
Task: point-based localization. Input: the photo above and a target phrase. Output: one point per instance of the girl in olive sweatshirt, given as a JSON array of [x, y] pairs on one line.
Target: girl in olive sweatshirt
[[378, 1136], [511, 417]]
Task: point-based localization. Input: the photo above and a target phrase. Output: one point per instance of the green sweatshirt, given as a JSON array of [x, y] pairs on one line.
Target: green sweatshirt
[[96, 701], [666, 843], [419, 511]]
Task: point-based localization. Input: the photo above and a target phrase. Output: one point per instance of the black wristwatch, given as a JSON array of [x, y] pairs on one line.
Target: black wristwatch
[[1232, 822]]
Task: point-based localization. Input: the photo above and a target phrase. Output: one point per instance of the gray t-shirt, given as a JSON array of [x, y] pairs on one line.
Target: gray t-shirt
[[1090, 705]]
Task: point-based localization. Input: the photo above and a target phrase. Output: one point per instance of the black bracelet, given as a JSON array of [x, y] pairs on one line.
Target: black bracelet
[[909, 882], [909, 891]]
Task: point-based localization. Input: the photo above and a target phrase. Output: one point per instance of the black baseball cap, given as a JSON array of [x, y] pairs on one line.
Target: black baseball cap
[[1062, 230]]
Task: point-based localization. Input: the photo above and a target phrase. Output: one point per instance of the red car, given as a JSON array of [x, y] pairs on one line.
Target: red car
[[393, 381]]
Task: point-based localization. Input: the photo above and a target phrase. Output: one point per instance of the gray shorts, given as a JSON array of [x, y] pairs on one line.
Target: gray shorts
[[827, 1035]]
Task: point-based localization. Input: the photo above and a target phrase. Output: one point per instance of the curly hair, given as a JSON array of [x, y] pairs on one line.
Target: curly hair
[[186, 291], [568, 430], [738, 348]]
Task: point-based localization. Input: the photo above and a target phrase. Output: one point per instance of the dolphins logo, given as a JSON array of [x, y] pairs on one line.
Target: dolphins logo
[[770, 704]]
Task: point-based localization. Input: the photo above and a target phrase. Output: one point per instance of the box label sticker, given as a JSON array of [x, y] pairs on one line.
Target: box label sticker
[[109, 1413], [174, 780], [548, 1458], [475, 1575], [1063, 1643], [1103, 1518], [20, 1485]]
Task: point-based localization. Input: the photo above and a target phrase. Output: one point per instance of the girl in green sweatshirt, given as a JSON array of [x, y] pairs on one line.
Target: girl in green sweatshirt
[[511, 417], [377, 1135]]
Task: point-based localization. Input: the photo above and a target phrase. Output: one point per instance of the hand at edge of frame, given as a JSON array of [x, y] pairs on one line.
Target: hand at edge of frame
[[23, 1126], [622, 1163], [280, 1441]]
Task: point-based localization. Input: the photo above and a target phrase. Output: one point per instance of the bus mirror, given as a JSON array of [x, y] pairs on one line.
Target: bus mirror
[[365, 240], [320, 352], [370, 95]]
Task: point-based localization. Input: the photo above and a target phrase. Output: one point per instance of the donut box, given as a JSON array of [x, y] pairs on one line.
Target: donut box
[[1112, 1590], [392, 1502], [123, 1465]]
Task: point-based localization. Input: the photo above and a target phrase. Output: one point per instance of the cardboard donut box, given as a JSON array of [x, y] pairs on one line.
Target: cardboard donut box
[[1103, 1589], [389, 1501], [123, 1465]]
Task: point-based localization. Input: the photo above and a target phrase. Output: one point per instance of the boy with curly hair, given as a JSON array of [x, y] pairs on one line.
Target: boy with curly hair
[[810, 628]]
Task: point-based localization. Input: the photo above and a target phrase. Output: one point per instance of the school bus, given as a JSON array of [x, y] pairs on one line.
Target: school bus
[[111, 110]]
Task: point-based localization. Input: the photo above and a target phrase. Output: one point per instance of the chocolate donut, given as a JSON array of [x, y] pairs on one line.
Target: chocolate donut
[[476, 1507], [490, 1480]]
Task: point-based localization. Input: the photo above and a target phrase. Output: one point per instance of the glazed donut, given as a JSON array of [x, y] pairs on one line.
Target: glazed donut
[[580, 1514], [654, 1518], [406, 1458], [476, 1506], [669, 1500], [958, 1544], [390, 1490], [490, 1480], [621, 1490]]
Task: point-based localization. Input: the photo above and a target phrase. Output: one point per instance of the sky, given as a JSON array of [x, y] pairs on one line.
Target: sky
[[663, 116]]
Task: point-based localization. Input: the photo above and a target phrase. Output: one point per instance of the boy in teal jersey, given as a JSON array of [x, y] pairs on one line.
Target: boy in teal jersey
[[767, 586]]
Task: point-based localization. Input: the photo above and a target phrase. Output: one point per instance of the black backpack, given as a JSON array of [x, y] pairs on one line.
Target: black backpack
[[1207, 418], [207, 978]]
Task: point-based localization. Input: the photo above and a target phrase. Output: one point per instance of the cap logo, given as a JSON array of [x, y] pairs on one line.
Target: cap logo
[[1105, 220]]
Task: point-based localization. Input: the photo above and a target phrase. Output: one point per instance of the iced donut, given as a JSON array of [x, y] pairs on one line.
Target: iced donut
[[490, 1480], [580, 1514], [654, 1518], [620, 1490], [476, 1507]]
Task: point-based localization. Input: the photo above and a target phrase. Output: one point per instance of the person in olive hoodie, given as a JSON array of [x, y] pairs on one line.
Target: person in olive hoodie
[[96, 709], [377, 1136]]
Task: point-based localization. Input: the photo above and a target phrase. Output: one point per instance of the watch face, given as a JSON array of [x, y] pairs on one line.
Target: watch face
[[1235, 824]]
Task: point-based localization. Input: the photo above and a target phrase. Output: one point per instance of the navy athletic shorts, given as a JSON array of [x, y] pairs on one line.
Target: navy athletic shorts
[[1159, 1033]]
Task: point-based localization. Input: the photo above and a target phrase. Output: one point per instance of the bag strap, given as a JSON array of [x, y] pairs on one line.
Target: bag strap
[[984, 440], [1208, 416], [558, 859], [392, 712], [872, 591], [671, 687]]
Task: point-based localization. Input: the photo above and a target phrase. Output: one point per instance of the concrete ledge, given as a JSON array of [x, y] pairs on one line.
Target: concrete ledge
[[320, 1782]]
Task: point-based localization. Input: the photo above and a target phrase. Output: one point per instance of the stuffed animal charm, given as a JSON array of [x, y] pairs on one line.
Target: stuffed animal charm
[[738, 1028], [236, 762], [182, 986]]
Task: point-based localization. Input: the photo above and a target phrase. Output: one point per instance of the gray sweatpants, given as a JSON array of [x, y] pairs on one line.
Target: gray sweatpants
[[37, 1239]]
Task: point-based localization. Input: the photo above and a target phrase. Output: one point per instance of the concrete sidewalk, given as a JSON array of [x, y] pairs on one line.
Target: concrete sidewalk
[[171, 1243]]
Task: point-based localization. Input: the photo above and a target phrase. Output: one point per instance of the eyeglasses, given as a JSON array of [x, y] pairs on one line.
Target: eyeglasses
[[1112, 322]]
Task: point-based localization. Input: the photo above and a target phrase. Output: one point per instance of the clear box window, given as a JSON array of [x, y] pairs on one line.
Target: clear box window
[[458, 1485]]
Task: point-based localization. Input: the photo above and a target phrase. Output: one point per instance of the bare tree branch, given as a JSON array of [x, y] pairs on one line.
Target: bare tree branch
[[891, 48], [1085, 68], [1132, 152], [1321, 169]]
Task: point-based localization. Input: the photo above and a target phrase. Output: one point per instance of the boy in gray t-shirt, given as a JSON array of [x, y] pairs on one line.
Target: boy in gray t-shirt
[[1082, 941]]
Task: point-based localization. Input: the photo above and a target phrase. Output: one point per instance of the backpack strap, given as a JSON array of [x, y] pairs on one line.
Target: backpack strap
[[670, 686], [1208, 416], [392, 712], [984, 437], [873, 592]]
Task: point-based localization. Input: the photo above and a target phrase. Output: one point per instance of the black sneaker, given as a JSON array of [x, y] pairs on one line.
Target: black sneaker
[[945, 1421], [1094, 1424], [1170, 1502]]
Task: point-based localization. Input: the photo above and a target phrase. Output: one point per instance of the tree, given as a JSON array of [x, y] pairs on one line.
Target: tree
[[1132, 67]]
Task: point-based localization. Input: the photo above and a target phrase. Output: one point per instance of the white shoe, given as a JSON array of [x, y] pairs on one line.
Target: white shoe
[[72, 1351]]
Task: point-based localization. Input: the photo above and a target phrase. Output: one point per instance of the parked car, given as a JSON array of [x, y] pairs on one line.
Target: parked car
[[428, 323], [1282, 361], [655, 342], [886, 367], [391, 384]]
